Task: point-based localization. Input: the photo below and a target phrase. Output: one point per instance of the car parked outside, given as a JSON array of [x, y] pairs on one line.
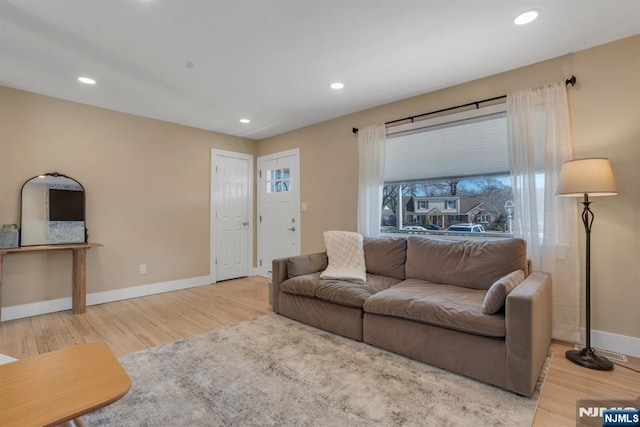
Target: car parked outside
[[411, 228], [466, 228], [425, 227], [432, 227]]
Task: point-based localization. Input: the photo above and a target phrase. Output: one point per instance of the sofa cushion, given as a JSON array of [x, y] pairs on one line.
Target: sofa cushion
[[337, 291], [386, 256], [305, 264], [353, 294], [448, 306], [304, 285], [346, 256], [343, 292], [497, 293], [472, 264]]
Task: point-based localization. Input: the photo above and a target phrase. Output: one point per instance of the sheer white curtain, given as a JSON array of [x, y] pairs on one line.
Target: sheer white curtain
[[371, 150], [539, 142]]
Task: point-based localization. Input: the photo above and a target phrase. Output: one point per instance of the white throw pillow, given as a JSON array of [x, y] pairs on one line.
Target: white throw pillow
[[497, 295], [346, 256]]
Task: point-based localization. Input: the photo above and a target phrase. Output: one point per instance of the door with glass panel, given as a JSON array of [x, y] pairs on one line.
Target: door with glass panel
[[278, 208]]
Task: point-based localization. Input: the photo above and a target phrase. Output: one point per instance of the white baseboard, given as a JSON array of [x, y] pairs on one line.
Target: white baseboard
[[260, 273], [36, 308], [60, 304], [144, 290], [622, 344]]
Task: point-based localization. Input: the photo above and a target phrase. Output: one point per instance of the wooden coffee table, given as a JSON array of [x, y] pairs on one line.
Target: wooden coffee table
[[55, 387]]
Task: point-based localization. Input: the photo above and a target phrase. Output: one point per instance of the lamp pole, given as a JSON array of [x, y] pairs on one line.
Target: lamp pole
[[587, 357], [508, 207], [584, 178]]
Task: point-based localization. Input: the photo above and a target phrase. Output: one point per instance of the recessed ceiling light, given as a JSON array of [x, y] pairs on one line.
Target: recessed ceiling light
[[87, 80], [245, 121], [337, 85], [526, 17]]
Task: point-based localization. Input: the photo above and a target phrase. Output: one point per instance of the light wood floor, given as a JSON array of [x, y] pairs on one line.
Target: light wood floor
[[136, 324]]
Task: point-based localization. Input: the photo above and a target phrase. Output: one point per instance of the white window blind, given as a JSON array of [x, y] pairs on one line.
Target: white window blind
[[472, 143]]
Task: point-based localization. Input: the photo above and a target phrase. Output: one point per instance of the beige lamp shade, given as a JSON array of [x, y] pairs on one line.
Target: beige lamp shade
[[593, 176]]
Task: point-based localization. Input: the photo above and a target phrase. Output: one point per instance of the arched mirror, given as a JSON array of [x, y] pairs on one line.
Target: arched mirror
[[52, 211]]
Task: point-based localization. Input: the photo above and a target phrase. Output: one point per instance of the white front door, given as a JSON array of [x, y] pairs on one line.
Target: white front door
[[278, 208], [231, 214]]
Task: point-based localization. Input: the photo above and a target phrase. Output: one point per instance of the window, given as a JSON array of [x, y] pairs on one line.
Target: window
[[483, 218], [278, 180], [456, 167]]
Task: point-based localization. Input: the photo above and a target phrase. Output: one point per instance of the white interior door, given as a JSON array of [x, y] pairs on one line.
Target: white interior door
[[278, 208], [231, 211]]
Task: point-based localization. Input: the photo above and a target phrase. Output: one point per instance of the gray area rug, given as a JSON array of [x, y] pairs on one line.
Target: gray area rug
[[274, 371]]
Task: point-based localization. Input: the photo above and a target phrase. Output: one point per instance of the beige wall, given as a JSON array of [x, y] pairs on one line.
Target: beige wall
[[605, 106], [147, 184]]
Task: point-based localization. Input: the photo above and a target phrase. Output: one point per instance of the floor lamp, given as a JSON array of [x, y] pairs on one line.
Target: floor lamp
[[587, 178]]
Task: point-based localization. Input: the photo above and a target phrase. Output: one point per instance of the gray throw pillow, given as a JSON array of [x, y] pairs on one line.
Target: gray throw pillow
[[497, 293]]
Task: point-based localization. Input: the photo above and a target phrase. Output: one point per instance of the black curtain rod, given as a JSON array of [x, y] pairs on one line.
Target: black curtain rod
[[570, 81]]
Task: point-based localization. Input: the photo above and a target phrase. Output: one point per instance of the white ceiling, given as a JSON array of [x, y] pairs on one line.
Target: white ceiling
[[208, 63]]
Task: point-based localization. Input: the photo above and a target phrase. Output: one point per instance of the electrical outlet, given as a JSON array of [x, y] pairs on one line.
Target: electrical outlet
[[143, 268]]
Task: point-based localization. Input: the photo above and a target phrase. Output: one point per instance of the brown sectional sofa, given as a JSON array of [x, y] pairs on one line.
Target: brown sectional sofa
[[423, 298]]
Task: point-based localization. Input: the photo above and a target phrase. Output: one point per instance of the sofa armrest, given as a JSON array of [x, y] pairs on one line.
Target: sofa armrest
[[528, 331], [284, 268], [278, 275]]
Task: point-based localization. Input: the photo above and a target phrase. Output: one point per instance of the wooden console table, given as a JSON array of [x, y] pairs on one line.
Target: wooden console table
[[51, 388], [79, 296]]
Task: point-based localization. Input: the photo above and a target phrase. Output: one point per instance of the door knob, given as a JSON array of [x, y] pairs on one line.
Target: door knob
[[245, 223], [292, 229]]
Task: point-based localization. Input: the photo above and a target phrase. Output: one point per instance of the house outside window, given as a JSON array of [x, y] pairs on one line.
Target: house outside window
[[448, 170], [483, 218]]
